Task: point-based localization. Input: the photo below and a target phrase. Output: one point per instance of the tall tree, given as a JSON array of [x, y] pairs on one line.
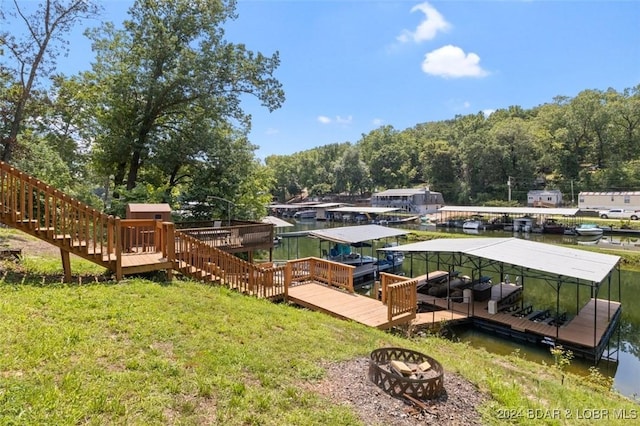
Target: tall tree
[[167, 79], [33, 53]]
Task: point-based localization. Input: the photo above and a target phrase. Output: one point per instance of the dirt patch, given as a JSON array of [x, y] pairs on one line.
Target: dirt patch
[[30, 246]]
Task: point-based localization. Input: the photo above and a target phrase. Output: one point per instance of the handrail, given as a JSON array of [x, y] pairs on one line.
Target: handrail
[[47, 213], [387, 279], [201, 261], [334, 274], [401, 299]]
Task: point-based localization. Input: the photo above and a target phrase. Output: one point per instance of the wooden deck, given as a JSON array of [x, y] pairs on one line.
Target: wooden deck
[[133, 263], [341, 304], [438, 317], [584, 331]]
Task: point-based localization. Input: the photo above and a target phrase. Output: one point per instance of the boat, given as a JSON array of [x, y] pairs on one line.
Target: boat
[[305, 214], [588, 229], [342, 253], [343, 239], [522, 224], [551, 226], [473, 224]]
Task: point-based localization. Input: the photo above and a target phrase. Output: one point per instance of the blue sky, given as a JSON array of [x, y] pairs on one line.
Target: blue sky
[[351, 66]]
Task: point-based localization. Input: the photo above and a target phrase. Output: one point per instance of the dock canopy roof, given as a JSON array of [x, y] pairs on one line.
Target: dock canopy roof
[[509, 210], [356, 234], [378, 210], [276, 221], [561, 261]]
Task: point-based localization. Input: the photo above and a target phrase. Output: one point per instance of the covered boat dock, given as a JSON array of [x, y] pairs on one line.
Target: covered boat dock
[[503, 217], [584, 327], [359, 237]]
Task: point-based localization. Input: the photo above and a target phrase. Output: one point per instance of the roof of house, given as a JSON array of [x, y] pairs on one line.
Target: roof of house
[[400, 192], [148, 207]]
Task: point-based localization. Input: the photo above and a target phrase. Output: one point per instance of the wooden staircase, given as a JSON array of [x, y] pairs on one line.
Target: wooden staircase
[[123, 246], [40, 210]]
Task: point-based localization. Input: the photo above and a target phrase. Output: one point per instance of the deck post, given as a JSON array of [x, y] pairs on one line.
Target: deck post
[[118, 247], [287, 279], [169, 246], [66, 265]]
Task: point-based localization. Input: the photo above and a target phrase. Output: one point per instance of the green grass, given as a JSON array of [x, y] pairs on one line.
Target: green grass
[[141, 352]]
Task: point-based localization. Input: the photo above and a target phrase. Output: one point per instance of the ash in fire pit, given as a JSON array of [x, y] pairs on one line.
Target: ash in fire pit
[[402, 372]]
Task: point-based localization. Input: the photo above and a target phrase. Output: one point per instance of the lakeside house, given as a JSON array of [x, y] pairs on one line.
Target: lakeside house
[[604, 200], [544, 198], [418, 201]]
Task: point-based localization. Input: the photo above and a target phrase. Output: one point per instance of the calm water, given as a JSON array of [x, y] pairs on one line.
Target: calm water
[[625, 369]]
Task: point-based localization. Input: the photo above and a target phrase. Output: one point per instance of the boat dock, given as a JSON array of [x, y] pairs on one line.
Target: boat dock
[[586, 334]]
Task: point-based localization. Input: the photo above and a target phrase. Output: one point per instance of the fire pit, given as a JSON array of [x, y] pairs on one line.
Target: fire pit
[[402, 372]]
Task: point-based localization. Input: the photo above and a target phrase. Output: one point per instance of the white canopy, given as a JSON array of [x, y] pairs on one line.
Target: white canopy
[[356, 234], [276, 221], [356, 209], [510, 210], [553, 259]]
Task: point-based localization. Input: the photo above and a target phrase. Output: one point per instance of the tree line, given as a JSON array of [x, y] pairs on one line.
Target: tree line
[[590, 142], [158, 117]]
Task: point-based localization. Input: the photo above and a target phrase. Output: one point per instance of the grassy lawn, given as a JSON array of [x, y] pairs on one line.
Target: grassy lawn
[[142, 352]]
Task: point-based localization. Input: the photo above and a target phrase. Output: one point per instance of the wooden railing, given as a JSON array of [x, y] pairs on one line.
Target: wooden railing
[[314, 269], [40, 210], [399, 294], [401, 299], [240, 236], [34, 207], [201, 261]]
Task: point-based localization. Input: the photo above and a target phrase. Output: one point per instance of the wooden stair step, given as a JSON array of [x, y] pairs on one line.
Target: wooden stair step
[[45, 229]]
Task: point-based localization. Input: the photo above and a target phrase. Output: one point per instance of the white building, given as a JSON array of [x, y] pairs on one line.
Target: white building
[[544, 198], [408, 200], [629, 200]]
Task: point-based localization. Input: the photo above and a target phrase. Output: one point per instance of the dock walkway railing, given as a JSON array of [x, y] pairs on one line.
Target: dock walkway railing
[[399, 294], [320, 270]]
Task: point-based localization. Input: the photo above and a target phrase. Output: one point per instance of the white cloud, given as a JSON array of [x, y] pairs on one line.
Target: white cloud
[[488, 112], [338, 120], [466, 104], [272, 131], [451, 62], [427, 29], [377, 121], [344, 120]]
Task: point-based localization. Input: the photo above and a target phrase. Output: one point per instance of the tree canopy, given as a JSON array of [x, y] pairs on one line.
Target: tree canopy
[[589, 143]]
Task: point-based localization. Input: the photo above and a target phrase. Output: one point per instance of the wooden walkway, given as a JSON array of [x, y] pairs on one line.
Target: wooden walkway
[[580, 331], [341, 304], [438, 317], [134, 263]]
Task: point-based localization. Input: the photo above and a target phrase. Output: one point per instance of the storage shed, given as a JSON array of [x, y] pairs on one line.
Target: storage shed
[[160, 211], [140, 237]]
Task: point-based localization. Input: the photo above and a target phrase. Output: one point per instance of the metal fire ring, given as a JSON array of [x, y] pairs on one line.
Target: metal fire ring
[[399, 385]]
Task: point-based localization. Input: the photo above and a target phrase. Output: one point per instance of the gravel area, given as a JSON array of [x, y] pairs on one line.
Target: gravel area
[[348, 383]]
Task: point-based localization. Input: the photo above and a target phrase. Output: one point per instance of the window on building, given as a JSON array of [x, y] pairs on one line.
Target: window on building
[[627, 199]]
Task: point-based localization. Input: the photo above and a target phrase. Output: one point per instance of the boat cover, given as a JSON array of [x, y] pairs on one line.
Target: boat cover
[[553, 259]]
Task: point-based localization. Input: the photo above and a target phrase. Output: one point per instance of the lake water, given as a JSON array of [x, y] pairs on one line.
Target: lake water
[[625, 369]]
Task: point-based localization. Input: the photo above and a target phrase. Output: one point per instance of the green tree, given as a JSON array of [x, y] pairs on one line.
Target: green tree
[[352, 174], [171, 90], [32, 55]]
